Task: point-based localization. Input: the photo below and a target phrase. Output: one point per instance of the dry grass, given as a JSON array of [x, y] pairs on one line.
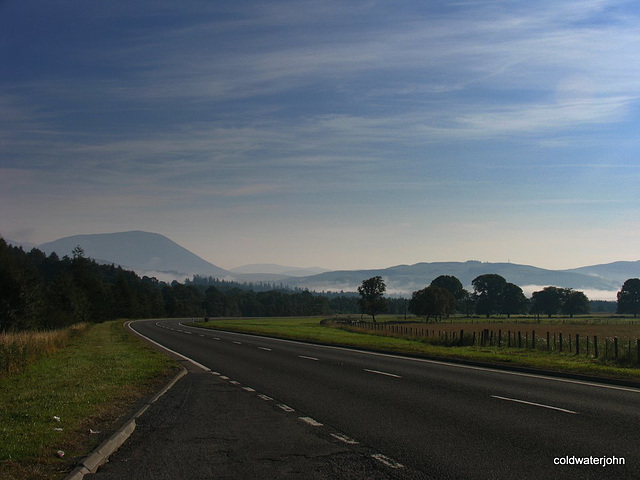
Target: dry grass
[[19, 350]]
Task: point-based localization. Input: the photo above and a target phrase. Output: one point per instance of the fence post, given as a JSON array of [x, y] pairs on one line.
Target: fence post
[[615, 347], [533, 339], [509, 338], [577, 344], [560, 341], [461, 337], [500, 338], [587, 345], [548, 343], [595, 346], [519, 339]]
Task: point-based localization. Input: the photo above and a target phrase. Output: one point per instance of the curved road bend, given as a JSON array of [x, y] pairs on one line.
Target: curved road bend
[[441, 420]]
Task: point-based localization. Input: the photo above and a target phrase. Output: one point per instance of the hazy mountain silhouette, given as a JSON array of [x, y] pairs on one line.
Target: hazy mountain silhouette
[[143, 252], [408, 278], [147, 253], [616, 271]]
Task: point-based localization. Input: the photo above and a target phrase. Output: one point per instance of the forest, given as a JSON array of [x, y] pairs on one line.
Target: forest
[[46, 292]]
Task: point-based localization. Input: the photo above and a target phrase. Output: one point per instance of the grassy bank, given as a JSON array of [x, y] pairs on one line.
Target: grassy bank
[[88, 385], [310, 329]]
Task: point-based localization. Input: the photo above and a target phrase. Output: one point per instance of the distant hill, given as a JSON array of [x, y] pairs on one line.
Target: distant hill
[[145, 253], [405, 279], [616, 271], [275, 269], [153, 254]]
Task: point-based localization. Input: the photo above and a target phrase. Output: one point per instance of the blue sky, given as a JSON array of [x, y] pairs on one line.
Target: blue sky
[[346, 134]]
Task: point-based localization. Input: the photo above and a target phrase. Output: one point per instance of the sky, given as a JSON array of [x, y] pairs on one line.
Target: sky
[[341, 134]]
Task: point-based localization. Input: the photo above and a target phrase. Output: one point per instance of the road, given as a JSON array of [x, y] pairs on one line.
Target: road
[[439, 419]]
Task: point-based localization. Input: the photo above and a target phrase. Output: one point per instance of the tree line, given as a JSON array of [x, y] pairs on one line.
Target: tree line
[[44, 292], [491, 295]]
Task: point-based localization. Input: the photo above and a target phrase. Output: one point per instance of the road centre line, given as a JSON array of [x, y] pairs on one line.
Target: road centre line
[[266, 398], [248, 389], [387, 461], [344, 438], [382, 373], [286, 408], [535, 404], [310, 421], [264, 348], [445, 363], [309, 358], [237, 343]]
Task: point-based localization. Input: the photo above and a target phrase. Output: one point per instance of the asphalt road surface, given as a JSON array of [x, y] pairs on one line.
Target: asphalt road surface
[[331, 412]]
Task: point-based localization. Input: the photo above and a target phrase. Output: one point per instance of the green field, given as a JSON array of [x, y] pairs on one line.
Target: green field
[[88, 384], [408, 338]]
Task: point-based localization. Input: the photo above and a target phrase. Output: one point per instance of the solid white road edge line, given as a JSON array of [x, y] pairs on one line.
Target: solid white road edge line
[[191, 360], [550, 407]]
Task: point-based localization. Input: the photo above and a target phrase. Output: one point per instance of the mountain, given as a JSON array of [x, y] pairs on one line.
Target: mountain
[[616, 271], [404, 279], [145, 253], [275, 269]]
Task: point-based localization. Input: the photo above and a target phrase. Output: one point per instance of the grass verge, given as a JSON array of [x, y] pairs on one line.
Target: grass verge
[[89, 384], [310, 329]]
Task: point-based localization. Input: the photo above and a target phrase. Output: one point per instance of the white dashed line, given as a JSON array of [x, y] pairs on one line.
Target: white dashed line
[[248, 389], [310, 421], [308, 358], [387, 461], [233, 382], [264, 348], [286, 408], [344, 439], [382, 373], [535, 404], [215, 373], [223, 377], [238, 343], [266, 398]]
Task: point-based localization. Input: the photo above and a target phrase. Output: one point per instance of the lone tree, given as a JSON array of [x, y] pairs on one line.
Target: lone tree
[[548, 301], [513, 300], [432, 301], [629, 297], [488, 291], [575, 303], [371, 296]]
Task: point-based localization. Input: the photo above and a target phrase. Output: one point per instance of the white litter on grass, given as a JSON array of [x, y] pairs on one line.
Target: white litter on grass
[[56, 418]]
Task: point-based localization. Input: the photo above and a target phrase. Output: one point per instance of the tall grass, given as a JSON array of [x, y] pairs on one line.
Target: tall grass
[[19, 350]]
